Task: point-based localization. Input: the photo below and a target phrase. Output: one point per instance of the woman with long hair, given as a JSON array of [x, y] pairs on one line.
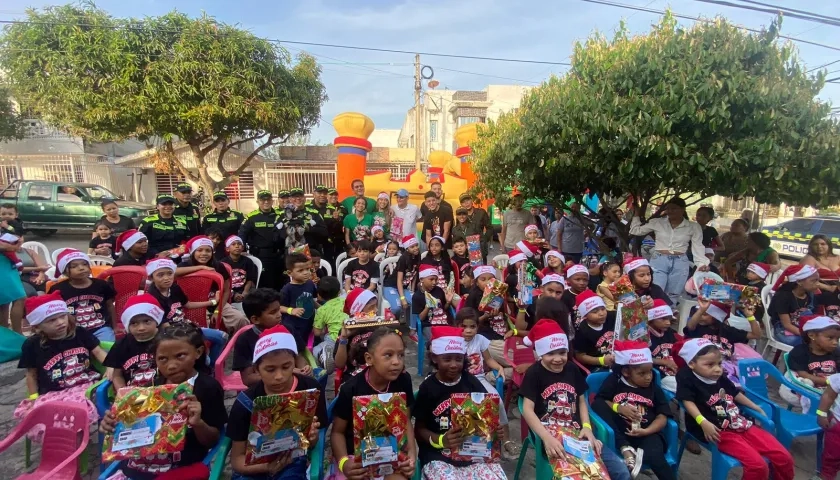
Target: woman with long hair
[[757, 250]]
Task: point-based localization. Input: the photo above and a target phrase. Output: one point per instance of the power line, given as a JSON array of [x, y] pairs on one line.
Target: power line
[[777, 7], [486, 75], [822, 66], [787, 13]]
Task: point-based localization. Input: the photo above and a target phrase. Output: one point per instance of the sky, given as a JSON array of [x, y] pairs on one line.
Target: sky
[[381, 85]]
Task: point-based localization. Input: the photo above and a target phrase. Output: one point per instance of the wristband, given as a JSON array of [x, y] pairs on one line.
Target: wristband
[[523, 310], [289, 310], [439, 444], [35, 395], [515, 332], [587, 425], [699, 419], [402, 297], [751, 318], [341, 463], [601, 361], [615, 407], [819, 413], [342, 341]]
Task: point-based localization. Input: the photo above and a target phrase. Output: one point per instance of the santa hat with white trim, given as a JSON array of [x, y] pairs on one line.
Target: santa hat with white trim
[[275, 338], [718, 311], [482, 270], [710, 251], [531, 228], [356, 300], [555, 254], [65, 257], [448, 340], [546, 336], [376, 228], [553, 278], [40, 308], [231, 239], [660, 310], [516, 256], [528, 248], [634, 264], [156, 264], [144, 304], [794, 273], [685, 351], [587, 301], [760, 269], [632, 352], [127, 239], [428, 271], [199, 241], [576, 269], [812, 323], [409, 241]]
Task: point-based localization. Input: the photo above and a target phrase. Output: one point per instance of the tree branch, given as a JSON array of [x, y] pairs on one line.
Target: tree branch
[[177, 162], [215, 143], [228, 176]]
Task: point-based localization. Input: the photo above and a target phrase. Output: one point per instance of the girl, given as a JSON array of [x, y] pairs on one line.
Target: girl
[[351, 348], [385, 360], [816, 359], [641, 276], [553, 394], [274, 359], [634, 406], [662, 340], [577, 280], [438, 257], [353, 250], [593, 340], [533, 246], [379, 239], [461, 258], [357, 225], [132, 248], [103, 243], [556, 263], [828, 411], [712, 401], [382, 216], [492, 325], [389, 283], [433, 306], [112, 218], [90, 300], [610, 273], [133, 356], [407, 268], [177, 352], [795, 295], [477, 348], [437, 437]]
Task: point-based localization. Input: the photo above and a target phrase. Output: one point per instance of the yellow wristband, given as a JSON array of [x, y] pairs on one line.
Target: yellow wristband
[[615, 407], [515, 332], [699, 419], [341, 463], [289, 310], [601, 361], [820, 413], [751, 318], [33, 396], [587, 425], [402, 298], [439, 444]]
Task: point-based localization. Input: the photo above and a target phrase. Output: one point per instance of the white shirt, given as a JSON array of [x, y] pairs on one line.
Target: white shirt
[[673, 239], [834, 383], [475, 354], [410, 215]]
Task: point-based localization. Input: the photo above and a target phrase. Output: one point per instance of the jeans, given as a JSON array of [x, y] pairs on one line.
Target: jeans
[[392, 295], [780, 335], [294, 471], [105, 334], [217, 339], [670, 272], [615, 464]]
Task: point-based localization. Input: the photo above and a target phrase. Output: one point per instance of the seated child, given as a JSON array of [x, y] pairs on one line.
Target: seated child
[[407, 268], [378, 241], [556, 263], [438, 257], [462, 260], [349, 352], [102, 244], [315, 257], [828, 411], [363, 271], [610, 273], [329, 321], [431, 302], [662, 340], [11, 232], [533, 246], [243, 270], [593, 341], [577, 282], [132, 249], [640, 273], [89, 300], [389, 283], [815, 359], [756, 276], [262, 307], [297, 304], [133, 356]]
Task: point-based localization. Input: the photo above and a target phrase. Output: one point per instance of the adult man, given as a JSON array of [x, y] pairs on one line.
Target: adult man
[[437, 188], [296, 220], [222, 216], [335, 227], [185, 211], [163, 229], [514, 222], [409, 214], [572, 231], [359, 191], [263, 234], [480, 221], [437, 222], [541, 221], [322, 213]]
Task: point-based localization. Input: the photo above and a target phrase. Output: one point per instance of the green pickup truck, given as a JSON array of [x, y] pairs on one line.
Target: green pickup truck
[[45, 207]]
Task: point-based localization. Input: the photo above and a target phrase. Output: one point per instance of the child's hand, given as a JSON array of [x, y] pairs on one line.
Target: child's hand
[[494, 312], [404, 303], [760, 411], [586, 433], [748, 310], [609, 359], [405, 464], [500, 373], [710, 431], [353, 469], [823, 422], [453, 437], [313, 431], [669, 363], [647, 302], [630, 412], [500, 431], [238, 297], [641, 432], [307, 370], [296, 312], [703, 304], [108, 423], [508, 334], [554, 448], [193, 407], [448, 295], [209, 269], [344, 334], [279, 463]]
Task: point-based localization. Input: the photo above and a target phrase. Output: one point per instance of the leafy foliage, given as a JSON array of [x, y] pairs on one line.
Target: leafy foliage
[[11, 127], [213, 86]]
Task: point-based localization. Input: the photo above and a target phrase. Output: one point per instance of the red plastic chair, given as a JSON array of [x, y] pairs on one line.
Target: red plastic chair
[[517, 353], [457, 273], [127, 281], [197, 287], [232, 382], [61, 448]]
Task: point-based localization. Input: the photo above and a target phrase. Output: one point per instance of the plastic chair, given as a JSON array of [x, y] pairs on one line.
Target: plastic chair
[[61, 447], [789, 424], [772, 343], [340, 258], [40, 249], [259, 265], [421, 343], [516, 353], [380, 288], [543, 467], [197, 287], [127, 281], [789, 374], [340, 272], [379, 256], [101, 260], [501, 262], [232, 381], [326, 266], [683, 312]]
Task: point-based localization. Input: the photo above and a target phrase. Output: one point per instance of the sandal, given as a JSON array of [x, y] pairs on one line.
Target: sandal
[[510, 450], [634, 461]]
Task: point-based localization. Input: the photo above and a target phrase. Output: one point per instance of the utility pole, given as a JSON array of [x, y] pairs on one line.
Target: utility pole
[[418, 88]]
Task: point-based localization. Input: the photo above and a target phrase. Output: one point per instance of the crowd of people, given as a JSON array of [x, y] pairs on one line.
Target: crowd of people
[[291, 317]]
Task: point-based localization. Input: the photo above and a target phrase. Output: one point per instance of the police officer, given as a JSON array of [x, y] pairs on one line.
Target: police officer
[[321, 214], [335, 226], [262, 231], [298, 221], [163, 229], [226, 220], [186, 211]]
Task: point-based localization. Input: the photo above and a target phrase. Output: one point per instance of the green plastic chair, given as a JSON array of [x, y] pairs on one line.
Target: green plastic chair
[[795, 380], [543, 466]]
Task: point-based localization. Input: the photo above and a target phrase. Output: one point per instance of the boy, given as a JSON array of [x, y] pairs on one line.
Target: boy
[[662, 341], [320, 272], [243, 271], [594, 337], [133, 356], [214, 233], [103, 243], [462, 259], [297, 304], [362, 272], [463, 228], [262, 307], [89, 300], [11, 231], [577, 281], [431, 302], [329, 320]]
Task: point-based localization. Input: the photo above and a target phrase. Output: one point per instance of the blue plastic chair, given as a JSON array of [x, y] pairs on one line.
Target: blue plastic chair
[[789, 424], [421, 343]]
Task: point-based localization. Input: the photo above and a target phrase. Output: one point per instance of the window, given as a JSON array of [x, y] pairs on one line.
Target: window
[[69, 194], [11, 191], [166, 183], [433, 130], [242, 189], [40, 192], [467, 120], [97, 193], [800, 225], [830, 228], [411, 142]]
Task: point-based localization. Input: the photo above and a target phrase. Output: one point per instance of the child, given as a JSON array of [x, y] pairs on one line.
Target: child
[[478, 348], [436, 436], [11, 232], [132, 249], [515, 257], [492, 325], [243, 270], [297, 303], [662, 340], [214, 233], [828, 412], [814, 360], [636, 409], [384, 374], [389, 282], [438, 257], [329, 320], [462, 260], [431, 302], [349, 353], [711, 399], [533, 246], [90, 300], [553, 394], [577, 281], [593, 340], [795, 296], [610, 273], [640, 273], [315, 258], [556, 263], [407, 268], [133, 356], [756, 275], [463, 228], [262, 307], [363, 271], [352, 249], [177, 352], [103, 243], [378, 242], [274, 360]]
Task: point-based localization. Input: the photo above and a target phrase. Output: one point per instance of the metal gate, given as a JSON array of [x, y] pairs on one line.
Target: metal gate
[[306, 175]]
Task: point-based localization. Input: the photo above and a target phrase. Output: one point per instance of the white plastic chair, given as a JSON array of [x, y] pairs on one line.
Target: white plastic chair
[[340, 272], [380, 288], [40, 249], [766, 296], [101, 260], [501, 262], [326, 266], [340, 258], [683, 310], [771, 279], [259, 265], [379, 256]]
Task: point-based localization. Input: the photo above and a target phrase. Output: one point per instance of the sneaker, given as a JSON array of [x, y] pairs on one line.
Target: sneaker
[[413, 336]]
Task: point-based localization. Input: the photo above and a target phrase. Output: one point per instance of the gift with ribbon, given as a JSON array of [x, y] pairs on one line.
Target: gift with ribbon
[[526, 275], [474, 250], [494, 296], [280, 423], [380, 423], [304, 250], [631, 321], [397, 228], [478, 416], [150, 421], [371, 320], [728, 293], [623, 290], [580, 462]]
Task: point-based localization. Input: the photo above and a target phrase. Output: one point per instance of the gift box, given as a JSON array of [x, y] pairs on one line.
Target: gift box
[[303, 249], [280, 423], [149, 422], [728, 293], [580, 462], [474, 249], [631, 321], [371, 320], [623, 290], [380, 423], [526, 282], [177, 251], [493, 297], [478, 416], [397, 229]]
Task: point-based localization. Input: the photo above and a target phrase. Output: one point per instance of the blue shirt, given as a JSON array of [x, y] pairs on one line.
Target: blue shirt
[[299, 295]]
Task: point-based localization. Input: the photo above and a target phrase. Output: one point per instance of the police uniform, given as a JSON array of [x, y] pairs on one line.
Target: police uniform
[[319, 233], [163, 233], [335, 225], [228, 221], [264, 239], [188, 214]]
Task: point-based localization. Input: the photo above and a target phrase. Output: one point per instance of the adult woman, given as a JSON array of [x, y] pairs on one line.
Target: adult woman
[[33, 277], [757, 250], [382, 215], [734, 240], [12, 293], [116, 222], [821, 256], [358, 224]]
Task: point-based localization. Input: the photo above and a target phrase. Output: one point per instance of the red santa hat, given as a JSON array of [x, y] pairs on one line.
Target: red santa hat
[[408, 241], [632, 352], [448, 340], [635, 263], [576, 269], [483, 270], [660, 310], [199, 241], [153, 266], [275, 338], [127, 239], [356, 300], [376, 228], [428, 271], [587, 301], [40, 308], [555, 254], [516, 256], [718, 311], [553, 278], [811, 323], [528, 248], [760, 269], [685, 351], [143, 304], [65, 257], [231, 239], [794, 273], [531, 228], [546, 336]]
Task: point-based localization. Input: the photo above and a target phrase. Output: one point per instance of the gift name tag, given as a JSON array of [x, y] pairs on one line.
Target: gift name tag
[[138, 434], [381, 450], [283, 441], [475, 446], [578, 448]]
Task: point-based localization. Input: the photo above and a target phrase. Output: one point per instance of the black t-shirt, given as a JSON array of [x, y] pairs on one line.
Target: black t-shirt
[[408, 264], [109, 242], [592, 342], [390, 279], [649, 401], [661, 346], [463, 264], [242, 271], [494, 328], [61, 363], [785, 302], [358, 387], [243, 349], [800, 359], [360, 275], [126, 260], [432, 410], [121, 226], [555, 395], [290, 295], [444, 268], [88, 304], [716, 402], [655, 292], [172, 305], [135, 359], [722, 335], [436, 316], [709, 234], [434, 221], [239, 422], [212, 398]]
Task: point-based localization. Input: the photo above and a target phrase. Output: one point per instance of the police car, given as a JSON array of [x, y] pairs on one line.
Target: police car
[[790, 239]]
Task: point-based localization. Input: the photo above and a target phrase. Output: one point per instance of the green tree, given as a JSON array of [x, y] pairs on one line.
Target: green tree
[[11, 127], [216, 88], [705, 110]]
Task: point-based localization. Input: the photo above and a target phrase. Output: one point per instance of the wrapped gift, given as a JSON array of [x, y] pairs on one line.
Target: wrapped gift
[[728, 293], [397, 229], [526, 282], [303, 249], [631, 321], [474, 249], [177, 252], [380, 423], [148, 422], [623, 290], [371, 320], [431, 301], [478, 416], [280, 423], [580, 462], [494, 296]]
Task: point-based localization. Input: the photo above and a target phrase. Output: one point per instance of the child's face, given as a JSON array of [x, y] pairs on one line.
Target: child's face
[[236, 248], [315, 262], [707, 320], [661, 324], [554, 262], [435, 247], [175, 359], [276, 370], [752, 277], [370, 307], [387, 357], [163, 278], [103, 231], [578, 282], [466, 282], [393, 250], [460, 248], [611, 274], [351, 253], [414, 250], [553, 290], [363, 255], [379, 235], [203, 255], [300, 272], [56, 327], [429, 282], [555, 360], [639, 375], [216, 239], [8, 214], [532, 236], [702, 217], [449, 365], [597, 317], [642, 277], [143, 328], [470, 327], [141, 247], [810, 283], [483, 280], [270, 316], [78, 269], [827, 339], [708, 365]]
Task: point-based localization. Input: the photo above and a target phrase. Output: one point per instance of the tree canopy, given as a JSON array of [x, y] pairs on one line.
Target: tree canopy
[[706, 110], [11, 127], [212, 86]]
